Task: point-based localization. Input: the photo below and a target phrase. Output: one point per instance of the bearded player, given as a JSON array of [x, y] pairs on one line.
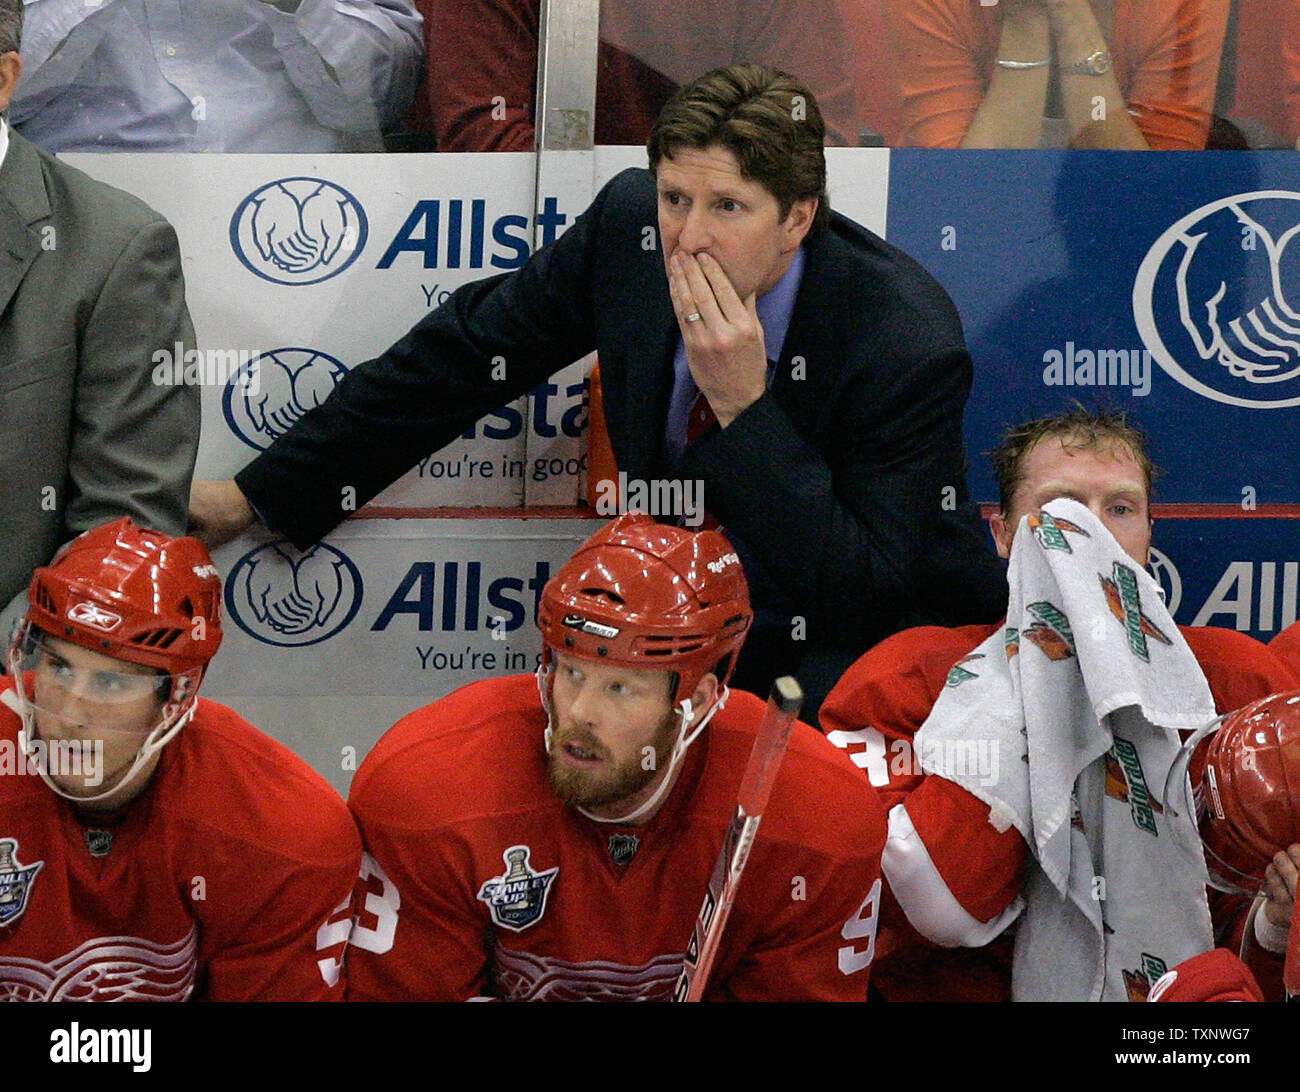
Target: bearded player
[[153, 845], [557, 845], [960, 876]]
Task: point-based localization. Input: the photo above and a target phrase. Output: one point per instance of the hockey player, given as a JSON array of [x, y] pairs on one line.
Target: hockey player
[[880, 703], [532, 846], [153, 845]]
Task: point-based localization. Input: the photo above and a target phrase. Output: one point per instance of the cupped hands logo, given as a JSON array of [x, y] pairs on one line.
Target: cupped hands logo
[[298, 230], [283, 596], [266, 397], [1217, 300]]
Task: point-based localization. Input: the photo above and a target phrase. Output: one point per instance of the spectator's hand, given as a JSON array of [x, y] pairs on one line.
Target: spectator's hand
[[724, 347], [1281, 878], [219, 512]]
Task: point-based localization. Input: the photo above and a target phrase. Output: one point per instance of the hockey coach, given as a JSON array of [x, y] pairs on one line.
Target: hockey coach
[[551, 838], [808, 375]]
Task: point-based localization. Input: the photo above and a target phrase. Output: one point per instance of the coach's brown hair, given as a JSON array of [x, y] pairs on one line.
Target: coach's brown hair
[[766, 118]]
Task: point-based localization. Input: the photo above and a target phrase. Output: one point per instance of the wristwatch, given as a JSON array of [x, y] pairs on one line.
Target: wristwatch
[[1095, 64]]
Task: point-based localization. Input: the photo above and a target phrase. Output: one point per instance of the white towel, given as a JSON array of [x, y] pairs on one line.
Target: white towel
[[1081, 698]]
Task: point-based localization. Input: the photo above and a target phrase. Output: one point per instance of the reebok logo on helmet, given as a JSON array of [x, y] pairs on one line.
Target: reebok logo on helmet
[[90, 614]]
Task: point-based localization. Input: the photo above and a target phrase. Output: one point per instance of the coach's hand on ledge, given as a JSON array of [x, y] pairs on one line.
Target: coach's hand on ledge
[[219, 512]]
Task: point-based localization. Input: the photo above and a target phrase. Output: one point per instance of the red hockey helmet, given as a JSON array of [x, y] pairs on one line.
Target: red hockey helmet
[[133, 594], [1250, 791], [649, 595]]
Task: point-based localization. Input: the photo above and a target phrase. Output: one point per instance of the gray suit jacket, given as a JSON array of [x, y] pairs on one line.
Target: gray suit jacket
[[90, 288]]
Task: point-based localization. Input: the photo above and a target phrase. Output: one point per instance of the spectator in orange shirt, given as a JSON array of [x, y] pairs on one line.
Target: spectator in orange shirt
[[1128, 74]]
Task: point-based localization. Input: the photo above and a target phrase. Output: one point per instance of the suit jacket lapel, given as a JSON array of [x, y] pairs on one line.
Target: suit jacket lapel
[[649, 382], [23, 202]]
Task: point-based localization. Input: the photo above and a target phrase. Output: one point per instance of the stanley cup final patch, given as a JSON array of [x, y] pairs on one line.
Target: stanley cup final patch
[[517, 899], [16, 881]]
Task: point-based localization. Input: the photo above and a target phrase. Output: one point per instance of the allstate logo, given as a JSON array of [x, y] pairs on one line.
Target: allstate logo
[[1166, 575], [298, 230], [266, 396], [285, 597], [1217, 300]]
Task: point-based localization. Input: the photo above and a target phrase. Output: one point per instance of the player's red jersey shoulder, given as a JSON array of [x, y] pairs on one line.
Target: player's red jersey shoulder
[[1286, 646], [481, 746], [893, 686], [819, 800], [1238, 668], [226, 776]]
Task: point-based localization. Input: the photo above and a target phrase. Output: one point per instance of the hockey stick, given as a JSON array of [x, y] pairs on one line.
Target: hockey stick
[[755, 788]]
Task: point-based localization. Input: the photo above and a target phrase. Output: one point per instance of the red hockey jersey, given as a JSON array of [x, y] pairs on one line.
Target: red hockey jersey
[[479, 881], [1286, 646], [875, 710], [215, 883]]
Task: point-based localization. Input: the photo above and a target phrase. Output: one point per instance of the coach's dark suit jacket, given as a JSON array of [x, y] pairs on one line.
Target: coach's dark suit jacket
[[844, 485], [90, 288]]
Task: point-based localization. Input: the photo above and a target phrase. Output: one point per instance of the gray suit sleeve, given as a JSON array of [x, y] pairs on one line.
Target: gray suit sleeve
[[134, 440]]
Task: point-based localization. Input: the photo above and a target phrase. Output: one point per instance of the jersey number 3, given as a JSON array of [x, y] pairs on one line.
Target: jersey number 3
[[375, 924]]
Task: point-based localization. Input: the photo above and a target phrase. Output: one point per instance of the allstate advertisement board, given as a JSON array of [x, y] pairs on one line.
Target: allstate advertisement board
[[299, 267], [1239, 574], [326, 648], [407, 606], [1164, 284]]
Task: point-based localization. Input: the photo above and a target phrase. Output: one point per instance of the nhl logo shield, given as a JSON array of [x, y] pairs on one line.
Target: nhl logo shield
[[99, 842], [517, 899], [16, 881], [623, 847]]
